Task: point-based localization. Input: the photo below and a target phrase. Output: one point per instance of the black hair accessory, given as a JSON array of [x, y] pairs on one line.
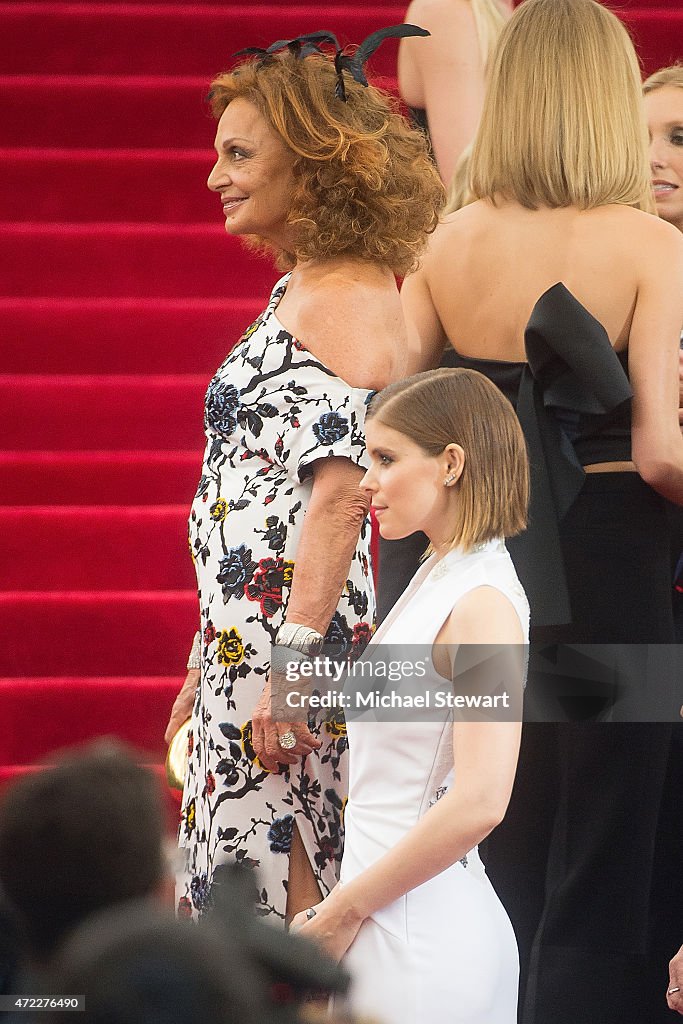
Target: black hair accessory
[[304, 46]]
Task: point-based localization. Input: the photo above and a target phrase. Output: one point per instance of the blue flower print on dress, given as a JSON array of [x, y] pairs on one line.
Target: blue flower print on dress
[[236, 570], [280, 834], [222, 404], [339, 636], [331, 427], [199, 890]]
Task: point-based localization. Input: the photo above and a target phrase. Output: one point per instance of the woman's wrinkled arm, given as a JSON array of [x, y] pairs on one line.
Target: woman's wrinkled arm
[[328, 539]]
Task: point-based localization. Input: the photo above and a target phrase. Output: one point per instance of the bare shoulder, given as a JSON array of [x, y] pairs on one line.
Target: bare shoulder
[[351, 318], [452, 28], [654, 246], [483, 616], [643, 229], [662, 236], [455, 232], [438, 14]]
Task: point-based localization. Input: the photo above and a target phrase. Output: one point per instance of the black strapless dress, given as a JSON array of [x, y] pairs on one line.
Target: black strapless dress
[[594, 559]]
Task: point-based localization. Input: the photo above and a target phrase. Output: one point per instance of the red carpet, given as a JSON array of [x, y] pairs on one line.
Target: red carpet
[[119, 295]]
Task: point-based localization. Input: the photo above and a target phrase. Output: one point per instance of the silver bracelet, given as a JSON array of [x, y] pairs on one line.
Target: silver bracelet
[[300, 638], [195, 658]]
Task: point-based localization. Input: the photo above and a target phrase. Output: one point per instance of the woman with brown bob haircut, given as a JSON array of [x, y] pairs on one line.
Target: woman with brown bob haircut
[[419, 925], [433, 410], [321, 172], [559, 285]]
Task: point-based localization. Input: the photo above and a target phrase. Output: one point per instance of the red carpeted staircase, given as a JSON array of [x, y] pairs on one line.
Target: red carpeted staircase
[[119, 295]]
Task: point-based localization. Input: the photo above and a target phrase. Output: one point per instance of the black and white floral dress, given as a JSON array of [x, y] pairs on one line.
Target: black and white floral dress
[[272, 409]]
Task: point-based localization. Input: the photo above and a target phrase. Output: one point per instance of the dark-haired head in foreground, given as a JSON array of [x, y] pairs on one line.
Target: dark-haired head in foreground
[[136, 964], [77, 838]]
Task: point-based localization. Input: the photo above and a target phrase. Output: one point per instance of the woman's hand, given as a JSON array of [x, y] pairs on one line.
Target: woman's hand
[[266, 736], [674, 999], [334, 926], [182, 708]]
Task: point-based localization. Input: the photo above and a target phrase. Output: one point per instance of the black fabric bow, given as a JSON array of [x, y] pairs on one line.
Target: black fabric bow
[[572, 371], [304, 46]]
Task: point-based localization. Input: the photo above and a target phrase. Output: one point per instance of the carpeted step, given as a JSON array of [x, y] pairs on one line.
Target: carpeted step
[[164, 412], [198, 39], [129, 260], [74, 191], [657, 34], [92, 547], [103, 633], [74, 709], [98, 477], [119, 335], [94, 111], [10, 773]]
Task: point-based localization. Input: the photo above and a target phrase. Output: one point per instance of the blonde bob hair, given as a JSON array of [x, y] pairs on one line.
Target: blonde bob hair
[[365, 185], [671, 76], [446, 406], [563, 123]]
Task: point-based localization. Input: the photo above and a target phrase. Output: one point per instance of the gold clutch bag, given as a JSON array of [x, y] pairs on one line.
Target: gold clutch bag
[[177, 757]]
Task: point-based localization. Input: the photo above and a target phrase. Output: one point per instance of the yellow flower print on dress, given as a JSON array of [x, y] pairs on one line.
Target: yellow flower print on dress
[[219, 510], [252, 327], [230, 647], [190, 817], [287, 574], [335, 725], [248, 747]]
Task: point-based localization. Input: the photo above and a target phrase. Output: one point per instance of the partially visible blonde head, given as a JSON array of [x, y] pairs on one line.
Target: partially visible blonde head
[[458, 406], [671, 76], [563, 123], [459, 193], [365, 186], [490, 18]]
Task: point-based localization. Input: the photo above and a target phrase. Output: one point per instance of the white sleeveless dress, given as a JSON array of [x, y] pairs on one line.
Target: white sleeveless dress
[[446, 950]]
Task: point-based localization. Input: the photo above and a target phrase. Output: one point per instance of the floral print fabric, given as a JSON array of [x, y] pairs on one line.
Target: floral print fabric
[[272, 409]]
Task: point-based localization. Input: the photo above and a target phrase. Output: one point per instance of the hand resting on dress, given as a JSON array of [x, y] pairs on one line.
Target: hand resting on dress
[[266, 736], [182, 707]]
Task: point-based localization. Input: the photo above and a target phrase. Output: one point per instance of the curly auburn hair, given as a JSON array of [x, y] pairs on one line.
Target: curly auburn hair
[[365, 184]]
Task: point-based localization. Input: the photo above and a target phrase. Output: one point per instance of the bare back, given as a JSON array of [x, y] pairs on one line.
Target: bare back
[[487, 266], [500, 261]]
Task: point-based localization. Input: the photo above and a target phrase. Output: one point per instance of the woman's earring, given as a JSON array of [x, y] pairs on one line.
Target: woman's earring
[[449, 480]]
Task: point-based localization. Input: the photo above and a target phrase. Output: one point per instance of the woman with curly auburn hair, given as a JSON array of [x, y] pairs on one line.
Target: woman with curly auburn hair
[[321, 172], [361, 185]]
